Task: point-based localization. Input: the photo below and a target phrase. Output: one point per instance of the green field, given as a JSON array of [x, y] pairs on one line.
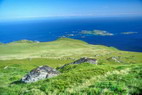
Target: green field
[[117, 73]]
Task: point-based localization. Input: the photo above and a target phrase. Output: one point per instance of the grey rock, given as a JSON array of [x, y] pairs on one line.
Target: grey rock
[[39, 73], [85, 60], [82, 60]]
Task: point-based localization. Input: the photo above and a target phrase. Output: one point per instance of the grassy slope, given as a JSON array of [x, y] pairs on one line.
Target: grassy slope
[[64, 48], [84, 79], [59, 48], [108, 78]]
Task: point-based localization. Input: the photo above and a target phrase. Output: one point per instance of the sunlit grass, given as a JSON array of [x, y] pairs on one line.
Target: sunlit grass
[[117, 73]]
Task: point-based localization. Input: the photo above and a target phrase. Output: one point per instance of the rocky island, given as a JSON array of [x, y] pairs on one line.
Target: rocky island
[[97, 32], [127, 33]]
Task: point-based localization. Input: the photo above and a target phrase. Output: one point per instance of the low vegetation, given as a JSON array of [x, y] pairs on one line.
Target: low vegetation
[[117, 73]]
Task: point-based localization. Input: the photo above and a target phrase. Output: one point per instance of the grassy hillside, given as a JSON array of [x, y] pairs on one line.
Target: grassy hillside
[[64, 48], [118, 72], [83, 79]]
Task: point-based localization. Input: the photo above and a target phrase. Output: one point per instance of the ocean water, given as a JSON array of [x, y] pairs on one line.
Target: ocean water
[[50, 29]]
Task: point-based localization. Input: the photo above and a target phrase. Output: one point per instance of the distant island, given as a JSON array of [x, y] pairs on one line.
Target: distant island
[[127, 33], [97, 32]]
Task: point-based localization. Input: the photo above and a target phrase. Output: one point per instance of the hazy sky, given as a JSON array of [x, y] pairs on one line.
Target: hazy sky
[[57, 8]]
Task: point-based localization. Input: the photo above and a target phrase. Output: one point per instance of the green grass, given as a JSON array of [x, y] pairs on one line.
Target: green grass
[[77, 80], [128, 83], [107, 78], [64, 48]]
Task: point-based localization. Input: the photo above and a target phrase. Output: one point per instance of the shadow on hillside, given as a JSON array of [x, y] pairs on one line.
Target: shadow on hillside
[[17, 82]]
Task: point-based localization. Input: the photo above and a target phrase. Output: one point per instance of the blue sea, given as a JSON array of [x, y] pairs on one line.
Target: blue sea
[[47, 29]]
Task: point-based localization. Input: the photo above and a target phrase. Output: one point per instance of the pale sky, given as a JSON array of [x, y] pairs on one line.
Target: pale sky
[[64, 8]]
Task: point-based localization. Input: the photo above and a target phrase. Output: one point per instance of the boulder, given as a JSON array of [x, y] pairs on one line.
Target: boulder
[[85, 60], [82, 60], [39, 73]]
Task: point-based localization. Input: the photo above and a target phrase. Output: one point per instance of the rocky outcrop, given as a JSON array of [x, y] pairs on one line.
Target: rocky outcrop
[[85, 60], [44, 72], [39, 73], [82, 60]]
